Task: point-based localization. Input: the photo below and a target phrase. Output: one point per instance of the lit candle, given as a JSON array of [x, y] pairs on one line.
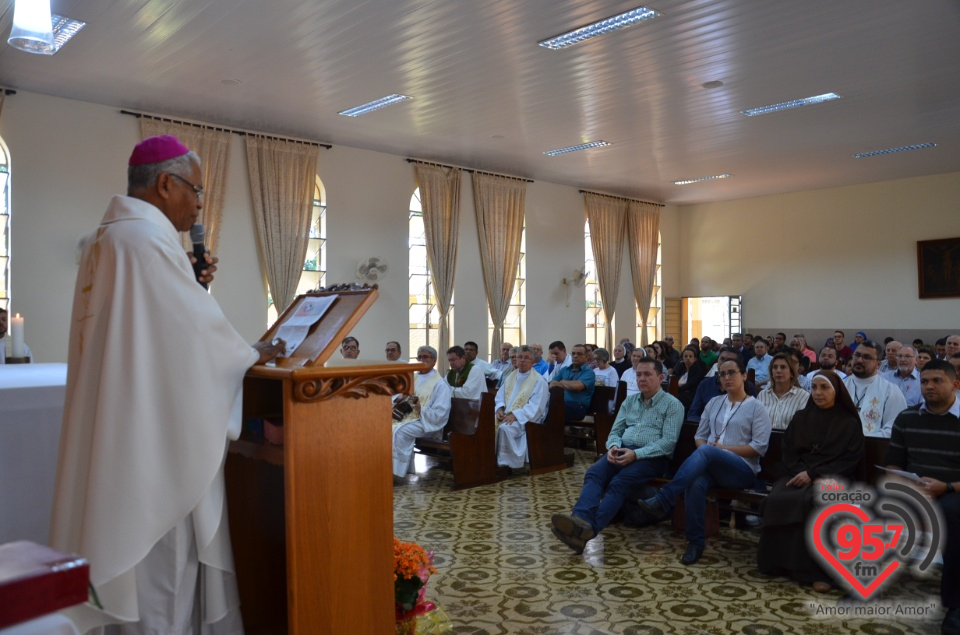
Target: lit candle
[[16, 335]]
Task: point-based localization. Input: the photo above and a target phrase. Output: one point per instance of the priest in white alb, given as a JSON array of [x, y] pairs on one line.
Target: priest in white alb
[[153, 394], [427, 417], [523, 398]]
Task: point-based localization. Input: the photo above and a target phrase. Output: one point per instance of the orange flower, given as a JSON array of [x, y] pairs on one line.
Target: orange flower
[[410, 560]]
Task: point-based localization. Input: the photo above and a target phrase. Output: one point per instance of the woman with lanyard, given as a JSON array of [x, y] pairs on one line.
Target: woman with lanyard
[[824, 440], [733, 435]]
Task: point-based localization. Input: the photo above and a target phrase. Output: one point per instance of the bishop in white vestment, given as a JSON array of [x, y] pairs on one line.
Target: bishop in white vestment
[[153, 395], [523, 398], [429, 414]]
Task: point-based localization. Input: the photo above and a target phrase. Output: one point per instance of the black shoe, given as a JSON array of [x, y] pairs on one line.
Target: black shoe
[[951, 623], [653, 507], [692, 554], [577, 544], [574, 526]]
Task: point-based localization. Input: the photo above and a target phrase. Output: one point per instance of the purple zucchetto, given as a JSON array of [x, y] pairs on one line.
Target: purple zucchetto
[[157, 150]]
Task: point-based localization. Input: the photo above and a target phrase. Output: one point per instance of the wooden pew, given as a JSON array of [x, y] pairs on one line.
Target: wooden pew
[[605, 424], [545, 440], [598, 410], [771, 469], [469, 442]]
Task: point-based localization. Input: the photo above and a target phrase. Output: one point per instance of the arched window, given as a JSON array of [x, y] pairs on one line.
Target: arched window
[[515, 325], [424, 314], [315, 264], [4, 226], [655, 319], [596, 323]]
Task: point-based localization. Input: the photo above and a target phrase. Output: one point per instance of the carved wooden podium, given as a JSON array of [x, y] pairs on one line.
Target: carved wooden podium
[[312, 520]]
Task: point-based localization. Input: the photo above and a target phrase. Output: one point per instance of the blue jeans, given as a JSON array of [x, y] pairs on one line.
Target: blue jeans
[[707, 467], [606, 486]]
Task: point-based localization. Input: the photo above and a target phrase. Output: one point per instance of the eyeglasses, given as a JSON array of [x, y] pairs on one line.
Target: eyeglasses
[[866, 358], [196, 188], [905, 356], [350, 347], [392, 350], [424, 356], [723, 374]]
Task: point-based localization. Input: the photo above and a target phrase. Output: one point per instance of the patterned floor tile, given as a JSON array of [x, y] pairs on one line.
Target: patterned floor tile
[[502, 572]]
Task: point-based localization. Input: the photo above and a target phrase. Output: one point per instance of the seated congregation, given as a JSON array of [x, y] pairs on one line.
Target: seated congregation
[[763, 435]]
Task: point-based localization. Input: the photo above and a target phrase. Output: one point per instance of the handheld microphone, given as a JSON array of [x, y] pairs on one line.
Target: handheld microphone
[[197, 234]]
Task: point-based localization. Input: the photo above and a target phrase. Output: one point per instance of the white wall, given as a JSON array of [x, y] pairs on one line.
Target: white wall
[[69, 157], [824, 259]]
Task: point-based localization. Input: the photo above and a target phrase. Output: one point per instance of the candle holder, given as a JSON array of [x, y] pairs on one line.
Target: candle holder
[[18, 360]]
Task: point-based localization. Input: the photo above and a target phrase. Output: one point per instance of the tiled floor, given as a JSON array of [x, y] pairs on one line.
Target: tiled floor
[[501, 570]]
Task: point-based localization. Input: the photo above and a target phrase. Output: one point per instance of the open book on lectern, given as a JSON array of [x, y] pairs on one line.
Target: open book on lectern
[[315, 323]]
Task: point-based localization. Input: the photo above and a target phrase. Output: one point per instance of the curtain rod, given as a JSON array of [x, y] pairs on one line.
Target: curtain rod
[[239, 131], [9, 91], [622, 198], [470, 170]]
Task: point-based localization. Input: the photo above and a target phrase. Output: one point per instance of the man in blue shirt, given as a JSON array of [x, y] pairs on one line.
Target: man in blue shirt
[[577, 381], [539, 363], [760, 362], [639, 448]]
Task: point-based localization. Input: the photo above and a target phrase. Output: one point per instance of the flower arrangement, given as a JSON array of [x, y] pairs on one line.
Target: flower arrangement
[[412, 567]]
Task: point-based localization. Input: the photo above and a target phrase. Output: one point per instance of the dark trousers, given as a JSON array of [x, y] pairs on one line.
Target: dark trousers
[[606, 486], [950, 574]]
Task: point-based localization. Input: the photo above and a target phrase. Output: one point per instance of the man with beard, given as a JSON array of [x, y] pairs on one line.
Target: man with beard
[[878, 401], [828, 361]]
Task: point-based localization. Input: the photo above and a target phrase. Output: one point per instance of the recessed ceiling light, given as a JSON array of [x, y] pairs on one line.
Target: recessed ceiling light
[[582, 146], [919, 146], [702, 178], [714, 84], [613, 23], [796, 103], [377, 104], [229, 82], [64, 29]]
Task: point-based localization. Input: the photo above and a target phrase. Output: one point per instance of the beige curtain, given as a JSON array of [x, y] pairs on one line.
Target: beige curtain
[[607, 216], [213, 148], [643, 231], [282, 178], [440, 199], [499, 202]]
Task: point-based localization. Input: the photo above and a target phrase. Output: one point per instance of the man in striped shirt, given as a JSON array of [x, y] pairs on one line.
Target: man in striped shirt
[[639, 448], [926, 441]]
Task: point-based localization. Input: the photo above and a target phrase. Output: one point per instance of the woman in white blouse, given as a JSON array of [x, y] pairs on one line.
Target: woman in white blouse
[[733, 434]]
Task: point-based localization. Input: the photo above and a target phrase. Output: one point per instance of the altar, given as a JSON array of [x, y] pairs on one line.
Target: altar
[[31, 409]]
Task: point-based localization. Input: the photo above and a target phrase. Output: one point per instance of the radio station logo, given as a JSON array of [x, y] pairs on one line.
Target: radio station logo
[[865, 537]]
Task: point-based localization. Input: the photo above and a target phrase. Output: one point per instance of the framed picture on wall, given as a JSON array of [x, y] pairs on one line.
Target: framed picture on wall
[[938, 268]]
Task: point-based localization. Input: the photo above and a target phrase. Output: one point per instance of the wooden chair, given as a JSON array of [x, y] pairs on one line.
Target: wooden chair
[[545, 440], [469, 442]]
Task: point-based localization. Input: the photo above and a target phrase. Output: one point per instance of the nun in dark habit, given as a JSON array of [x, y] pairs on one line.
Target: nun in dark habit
[[825, 439]]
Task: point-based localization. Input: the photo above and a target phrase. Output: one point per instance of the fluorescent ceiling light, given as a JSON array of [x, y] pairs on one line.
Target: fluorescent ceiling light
[[31, 31], [919, 146], [582, 146], [613, 23], [796, 103], [64, 29], [383, 102], [702, 178]]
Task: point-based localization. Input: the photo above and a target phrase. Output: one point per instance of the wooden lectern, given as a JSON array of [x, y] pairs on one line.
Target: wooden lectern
[[312, 520]]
